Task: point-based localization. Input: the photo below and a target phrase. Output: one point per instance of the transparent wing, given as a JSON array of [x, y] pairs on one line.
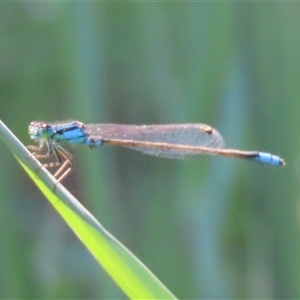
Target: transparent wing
[[200, 135]]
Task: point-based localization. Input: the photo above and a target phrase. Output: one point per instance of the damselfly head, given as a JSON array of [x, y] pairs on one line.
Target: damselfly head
[[40, 130]]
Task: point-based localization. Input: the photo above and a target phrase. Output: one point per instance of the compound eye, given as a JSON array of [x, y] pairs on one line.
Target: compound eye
[[46, 127]]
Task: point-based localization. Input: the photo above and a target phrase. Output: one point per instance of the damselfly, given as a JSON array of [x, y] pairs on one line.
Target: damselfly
[[169, 141]]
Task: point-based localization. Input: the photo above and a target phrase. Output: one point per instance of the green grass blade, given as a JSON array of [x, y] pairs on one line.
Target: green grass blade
[[131, 275]]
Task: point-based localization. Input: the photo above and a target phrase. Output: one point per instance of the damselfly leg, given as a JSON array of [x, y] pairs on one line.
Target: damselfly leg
[[62, 158]]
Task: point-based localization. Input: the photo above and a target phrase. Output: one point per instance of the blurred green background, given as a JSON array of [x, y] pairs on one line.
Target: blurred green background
[[208, 227]]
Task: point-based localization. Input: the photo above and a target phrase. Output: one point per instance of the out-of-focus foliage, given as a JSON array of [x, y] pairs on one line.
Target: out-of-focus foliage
[[207, 227]]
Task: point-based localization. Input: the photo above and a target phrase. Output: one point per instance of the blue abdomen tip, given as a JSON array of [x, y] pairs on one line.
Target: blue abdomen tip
[[270, 159]]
